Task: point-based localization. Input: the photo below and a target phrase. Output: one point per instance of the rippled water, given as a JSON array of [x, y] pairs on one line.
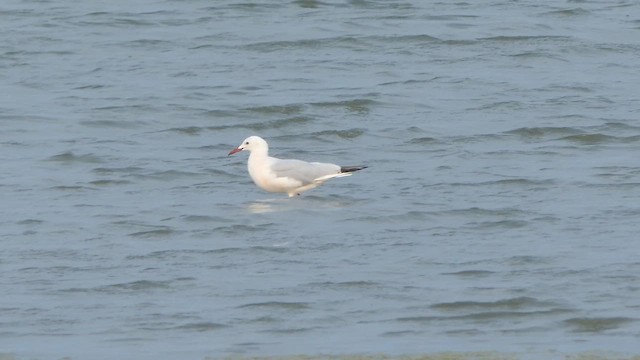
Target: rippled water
[[499, 212]]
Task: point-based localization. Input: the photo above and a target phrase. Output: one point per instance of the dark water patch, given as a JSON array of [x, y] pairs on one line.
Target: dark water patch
[[30, 222], [346, 285], [360, 106], [476, 211], [147, 43], [187, 130], [188, 253], [122, 170], [471, 273], [241, 228], [618, 126], [201, 327], [400, 333], [523, 38], [156, 233], [513, 303], [344, 134], [164, 254], [134, 286], [481, 138], [521, 182], [539, 133], [409, 82], [537, 55], [292, 109], [617, 171], [114, 19], [264, 125], [128, 109], [70, 158], [348, 42], [506, 183], [91, 87], [309, 4], [567, 12], [167, 175], [424, 141], [203, 218], [280, 123], [502, 224], [291, 331], [112, 124], [528, 260], [72, 188], [380, 5], [217, 113], [250, 249], [597, 139], [254, 6], [597, 324], [266, 320], [499, 106], [414, 39], [277, 305], [487, 316], [109, 182]]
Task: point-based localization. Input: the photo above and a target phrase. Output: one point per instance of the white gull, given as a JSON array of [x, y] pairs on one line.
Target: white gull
[[287, 175]]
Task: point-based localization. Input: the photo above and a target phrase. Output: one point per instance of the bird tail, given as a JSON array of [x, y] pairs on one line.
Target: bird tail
[[349, 169]]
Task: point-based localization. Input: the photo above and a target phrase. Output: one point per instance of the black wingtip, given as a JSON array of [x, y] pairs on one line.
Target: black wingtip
[[347, 169]]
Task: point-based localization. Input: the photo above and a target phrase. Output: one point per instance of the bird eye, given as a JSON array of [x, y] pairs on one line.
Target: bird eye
[[246, 143]]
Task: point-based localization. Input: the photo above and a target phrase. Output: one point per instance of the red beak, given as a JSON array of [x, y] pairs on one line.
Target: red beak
[[234, 151]]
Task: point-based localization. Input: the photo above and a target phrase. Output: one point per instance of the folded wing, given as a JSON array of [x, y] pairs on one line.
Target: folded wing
[[305, 172]]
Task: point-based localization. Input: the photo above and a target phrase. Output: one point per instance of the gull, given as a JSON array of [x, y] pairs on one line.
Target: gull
[[287, 175]]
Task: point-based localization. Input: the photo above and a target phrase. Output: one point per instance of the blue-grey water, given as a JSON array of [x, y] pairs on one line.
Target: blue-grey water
[[500, 211]]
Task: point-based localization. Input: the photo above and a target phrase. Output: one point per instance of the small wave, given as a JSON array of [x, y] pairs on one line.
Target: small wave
[[476, 211], [503, 224], [424, 141], [111, 124], [355, 105], [499, 106], [471, 273], [122, 170], [201, 326], [278, 305], [109, 182], [344, 134], [166, 175], [139, 285], [308, 4], [332, 42], [542, 132], [240, 228], [187, 130], [30, 222], [596, 139], [203, 218], [516, 38], [153, 233], [69, 157], [512, 303], [597, 324], [485, 316], [568, 12], [360, 284], [277, 109], [263, 125]]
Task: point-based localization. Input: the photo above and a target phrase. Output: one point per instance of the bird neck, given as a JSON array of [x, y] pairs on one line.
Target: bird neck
[[259, 153]]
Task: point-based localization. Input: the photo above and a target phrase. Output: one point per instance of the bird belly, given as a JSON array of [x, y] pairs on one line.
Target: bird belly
[[268, 181]]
